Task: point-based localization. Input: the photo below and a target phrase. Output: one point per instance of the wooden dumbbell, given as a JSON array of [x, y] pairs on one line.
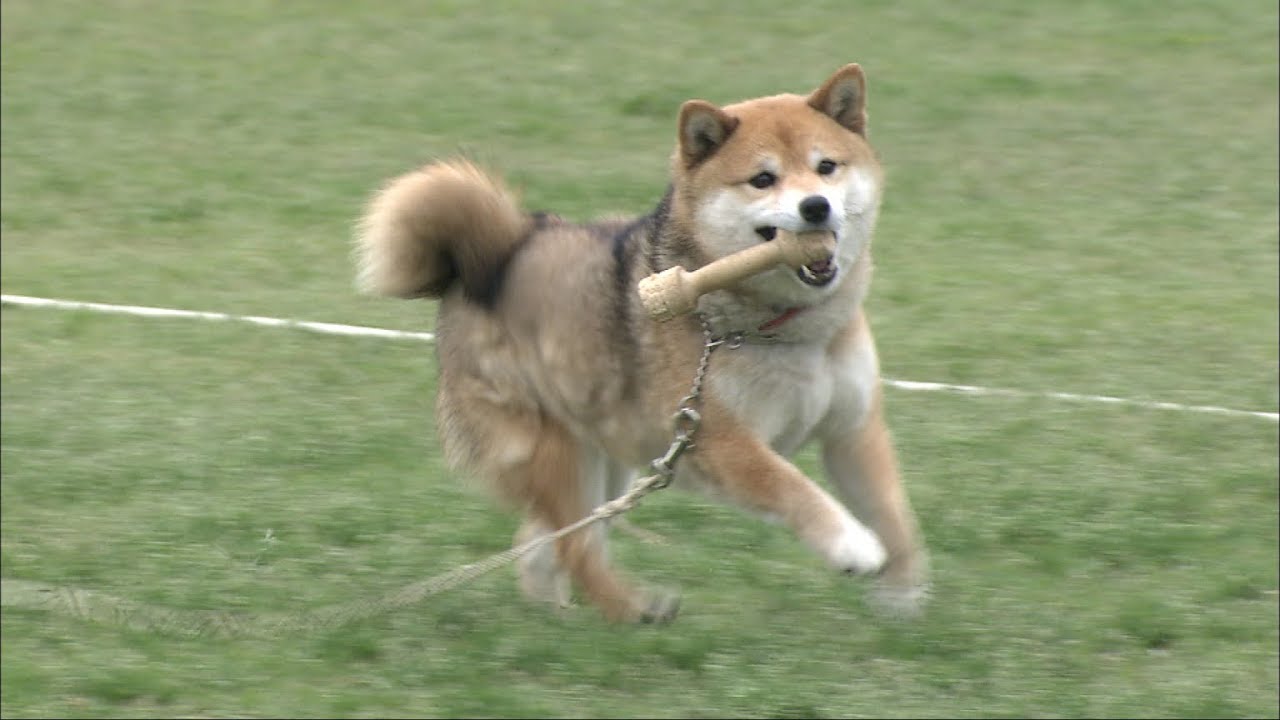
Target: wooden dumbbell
[[675, 291]]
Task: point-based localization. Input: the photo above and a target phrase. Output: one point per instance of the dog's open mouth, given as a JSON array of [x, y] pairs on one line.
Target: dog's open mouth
[[817, 274]]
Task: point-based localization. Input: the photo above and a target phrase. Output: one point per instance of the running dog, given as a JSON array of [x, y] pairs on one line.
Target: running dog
[[556, 386]]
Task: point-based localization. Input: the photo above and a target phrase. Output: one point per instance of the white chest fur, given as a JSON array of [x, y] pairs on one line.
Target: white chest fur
[[787, 393]]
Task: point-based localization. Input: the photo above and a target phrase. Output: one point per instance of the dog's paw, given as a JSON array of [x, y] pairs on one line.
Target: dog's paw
[[903, 602], [660, 608], [902, 590], [856, 550]]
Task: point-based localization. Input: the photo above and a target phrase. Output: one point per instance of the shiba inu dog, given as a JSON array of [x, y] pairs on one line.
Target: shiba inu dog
[[555, 386]]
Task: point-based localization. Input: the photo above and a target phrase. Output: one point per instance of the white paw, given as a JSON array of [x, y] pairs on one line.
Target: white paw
[[899, 601], [856, 550]]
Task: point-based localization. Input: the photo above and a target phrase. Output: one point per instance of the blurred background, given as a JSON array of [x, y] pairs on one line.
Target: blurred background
[[1082, 198]]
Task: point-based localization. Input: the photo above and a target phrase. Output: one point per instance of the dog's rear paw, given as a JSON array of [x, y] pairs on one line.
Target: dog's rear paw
[[661, 608]]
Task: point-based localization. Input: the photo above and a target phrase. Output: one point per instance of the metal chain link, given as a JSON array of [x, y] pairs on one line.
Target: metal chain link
[[687, 419]]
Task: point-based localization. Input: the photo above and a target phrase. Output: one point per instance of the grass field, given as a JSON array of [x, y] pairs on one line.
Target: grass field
[[1082, 198]]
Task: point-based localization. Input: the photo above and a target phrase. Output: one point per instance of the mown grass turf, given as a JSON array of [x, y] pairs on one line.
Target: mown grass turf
[[1082, 197]]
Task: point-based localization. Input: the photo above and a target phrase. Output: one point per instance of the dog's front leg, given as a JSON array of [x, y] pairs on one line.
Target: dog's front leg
[[861, 463], [741, 466]]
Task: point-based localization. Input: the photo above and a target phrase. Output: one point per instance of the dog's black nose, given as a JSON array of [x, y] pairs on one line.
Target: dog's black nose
[[815, 208]]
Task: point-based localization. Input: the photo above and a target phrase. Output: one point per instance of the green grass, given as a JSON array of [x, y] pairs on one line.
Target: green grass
[[1083, 198]]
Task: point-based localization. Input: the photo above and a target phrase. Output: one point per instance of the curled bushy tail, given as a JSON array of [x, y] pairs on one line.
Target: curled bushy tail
[[444, 223]]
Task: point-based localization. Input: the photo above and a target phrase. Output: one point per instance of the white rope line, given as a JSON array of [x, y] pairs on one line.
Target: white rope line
[[1074, 397], [154, 312], [358, 330]]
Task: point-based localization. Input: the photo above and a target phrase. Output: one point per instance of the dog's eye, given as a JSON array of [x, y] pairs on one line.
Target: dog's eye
[[763, 180], [826, 167]]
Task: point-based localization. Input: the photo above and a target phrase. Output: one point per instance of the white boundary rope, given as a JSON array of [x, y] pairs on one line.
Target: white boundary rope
[[154, 312], [361, 331]]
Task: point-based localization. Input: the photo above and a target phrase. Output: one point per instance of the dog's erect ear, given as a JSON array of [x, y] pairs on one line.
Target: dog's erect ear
[[703, 129], [844, 97]]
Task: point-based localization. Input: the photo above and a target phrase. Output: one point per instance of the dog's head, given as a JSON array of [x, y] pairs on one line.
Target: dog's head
[[788, 161]]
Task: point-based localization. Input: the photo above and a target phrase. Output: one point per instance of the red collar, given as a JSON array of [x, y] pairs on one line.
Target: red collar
[[777, 322]]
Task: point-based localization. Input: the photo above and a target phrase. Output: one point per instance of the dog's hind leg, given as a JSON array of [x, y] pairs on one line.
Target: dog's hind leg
[[561, 482], [542, 578], [620, 479]]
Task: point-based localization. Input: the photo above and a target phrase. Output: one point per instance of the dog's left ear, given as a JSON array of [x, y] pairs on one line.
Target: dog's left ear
[[844, 97]]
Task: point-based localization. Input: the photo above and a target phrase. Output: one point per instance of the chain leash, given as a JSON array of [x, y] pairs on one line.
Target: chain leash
[[687, 419]]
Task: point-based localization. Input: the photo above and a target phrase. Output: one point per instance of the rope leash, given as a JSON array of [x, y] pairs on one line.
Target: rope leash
[[108, 609]]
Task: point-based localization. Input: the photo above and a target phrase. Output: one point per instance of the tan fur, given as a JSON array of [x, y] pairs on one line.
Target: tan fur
[[863, 467], [403, 242], [556, 387]]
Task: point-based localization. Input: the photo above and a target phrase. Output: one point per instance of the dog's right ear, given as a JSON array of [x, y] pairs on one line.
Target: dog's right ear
[[703, 129]]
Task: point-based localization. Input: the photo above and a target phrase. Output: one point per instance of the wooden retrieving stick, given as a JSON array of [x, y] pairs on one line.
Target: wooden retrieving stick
[[675, 291]]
